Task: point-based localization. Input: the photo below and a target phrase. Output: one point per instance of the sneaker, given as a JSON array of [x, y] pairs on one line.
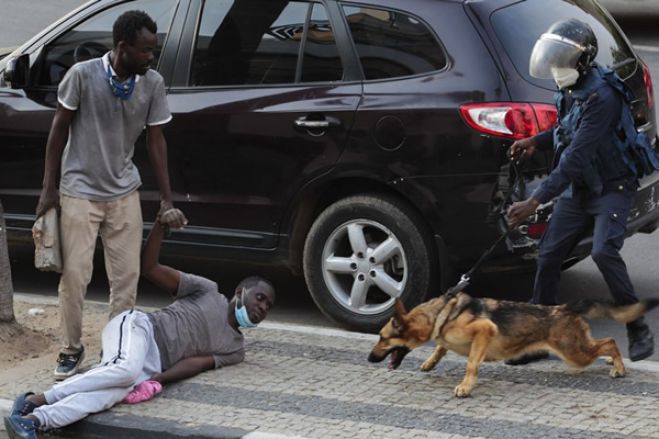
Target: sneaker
[[22, 406], [19, 427], [68, 364], [527, 358]]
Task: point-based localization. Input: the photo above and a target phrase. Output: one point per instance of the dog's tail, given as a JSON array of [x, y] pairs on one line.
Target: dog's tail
[[593, 309]]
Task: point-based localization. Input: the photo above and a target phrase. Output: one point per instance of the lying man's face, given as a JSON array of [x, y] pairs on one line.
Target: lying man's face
[[258, 300]]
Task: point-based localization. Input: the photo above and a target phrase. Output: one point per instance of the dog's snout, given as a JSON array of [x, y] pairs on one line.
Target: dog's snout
[[374, 358]]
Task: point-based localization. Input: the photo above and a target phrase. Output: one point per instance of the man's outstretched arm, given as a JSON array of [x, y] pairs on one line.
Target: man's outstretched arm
[[157, 147], [162, 276], [186, 368]]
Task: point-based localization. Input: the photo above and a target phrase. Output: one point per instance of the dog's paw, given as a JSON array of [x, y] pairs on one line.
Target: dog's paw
[[427, 366], [609, 360], [462, 391], [615, 373]]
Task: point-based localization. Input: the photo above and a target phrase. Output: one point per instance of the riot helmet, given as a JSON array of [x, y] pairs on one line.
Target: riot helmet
[[564, 52]]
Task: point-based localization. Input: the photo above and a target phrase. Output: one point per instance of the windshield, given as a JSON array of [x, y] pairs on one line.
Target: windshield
[[28, 43], [519, 25]]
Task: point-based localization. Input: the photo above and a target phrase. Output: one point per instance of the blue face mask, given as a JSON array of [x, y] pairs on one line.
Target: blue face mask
[[119, 89], [241, 314]]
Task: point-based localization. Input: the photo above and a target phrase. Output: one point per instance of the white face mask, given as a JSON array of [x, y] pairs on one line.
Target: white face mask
[[564, 76]]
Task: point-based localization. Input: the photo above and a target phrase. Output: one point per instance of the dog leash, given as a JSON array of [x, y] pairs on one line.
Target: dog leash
[[465, 279]]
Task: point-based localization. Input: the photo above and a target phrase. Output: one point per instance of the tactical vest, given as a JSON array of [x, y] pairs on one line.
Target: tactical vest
[[610, 163]]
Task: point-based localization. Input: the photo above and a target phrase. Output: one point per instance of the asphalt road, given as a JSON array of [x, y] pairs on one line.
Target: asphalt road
[[641, 252]]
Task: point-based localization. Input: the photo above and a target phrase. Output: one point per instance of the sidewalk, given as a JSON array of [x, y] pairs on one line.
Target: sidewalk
[[304, 382]]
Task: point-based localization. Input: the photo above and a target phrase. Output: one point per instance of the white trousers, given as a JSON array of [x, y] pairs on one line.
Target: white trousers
[[130, 356]]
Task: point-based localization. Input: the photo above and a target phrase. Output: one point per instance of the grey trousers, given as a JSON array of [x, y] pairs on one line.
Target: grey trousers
[[130, 356]]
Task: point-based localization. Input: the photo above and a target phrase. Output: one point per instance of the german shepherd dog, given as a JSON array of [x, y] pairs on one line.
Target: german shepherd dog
[[490, 330]]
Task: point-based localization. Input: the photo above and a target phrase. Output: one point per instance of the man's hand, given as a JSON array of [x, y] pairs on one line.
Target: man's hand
[[521, 210], [170, 216], [49, 198], [185, 368], [522, 148]]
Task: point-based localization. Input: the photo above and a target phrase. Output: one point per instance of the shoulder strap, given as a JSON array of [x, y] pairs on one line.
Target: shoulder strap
[[612, 78], [639, 154], [588, 85], [626, 118], [626, 128]]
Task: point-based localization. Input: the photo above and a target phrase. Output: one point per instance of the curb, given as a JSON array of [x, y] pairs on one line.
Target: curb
[[111, 425]]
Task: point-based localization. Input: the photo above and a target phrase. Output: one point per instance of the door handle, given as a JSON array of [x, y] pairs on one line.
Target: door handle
[[317, 124]]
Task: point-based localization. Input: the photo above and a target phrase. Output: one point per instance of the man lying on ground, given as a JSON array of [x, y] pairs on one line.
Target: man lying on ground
[[141, 351]]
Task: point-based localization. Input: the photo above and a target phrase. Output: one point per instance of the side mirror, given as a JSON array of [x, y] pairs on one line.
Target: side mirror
[[17, 72]]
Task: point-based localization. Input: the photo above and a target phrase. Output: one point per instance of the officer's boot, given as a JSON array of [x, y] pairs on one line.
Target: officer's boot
[[641, 342]]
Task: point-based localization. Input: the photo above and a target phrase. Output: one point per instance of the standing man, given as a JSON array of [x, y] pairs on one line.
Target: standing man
[[103, 106], [591, 171], [143, 351]]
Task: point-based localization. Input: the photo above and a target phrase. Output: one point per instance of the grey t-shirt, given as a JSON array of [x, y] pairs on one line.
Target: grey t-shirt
[[196, 324], [97, 162]]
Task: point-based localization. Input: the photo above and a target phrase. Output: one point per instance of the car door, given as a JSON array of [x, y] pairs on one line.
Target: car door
[[26, 115], [262, 104], [420, 64]]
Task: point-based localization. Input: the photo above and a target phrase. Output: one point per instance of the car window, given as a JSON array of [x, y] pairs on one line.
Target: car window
[[518, 26], [321, 56], [93, 38], [264, 42], [392, 44]]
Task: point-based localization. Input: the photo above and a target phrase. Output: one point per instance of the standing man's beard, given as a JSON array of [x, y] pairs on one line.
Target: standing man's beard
[[132, 66]]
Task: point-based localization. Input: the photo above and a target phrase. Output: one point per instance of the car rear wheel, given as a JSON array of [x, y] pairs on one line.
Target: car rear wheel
[[360, 254]]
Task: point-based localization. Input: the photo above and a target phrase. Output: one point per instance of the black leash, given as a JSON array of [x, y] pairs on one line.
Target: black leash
[[465, 279]]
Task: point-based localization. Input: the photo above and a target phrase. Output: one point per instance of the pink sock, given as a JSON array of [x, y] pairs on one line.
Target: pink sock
[[144, 391]]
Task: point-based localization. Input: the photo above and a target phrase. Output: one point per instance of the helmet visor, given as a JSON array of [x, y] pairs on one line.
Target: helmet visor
[[553, 51]]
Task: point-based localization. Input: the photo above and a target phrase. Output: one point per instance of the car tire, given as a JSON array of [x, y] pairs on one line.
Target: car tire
[[360, 253]]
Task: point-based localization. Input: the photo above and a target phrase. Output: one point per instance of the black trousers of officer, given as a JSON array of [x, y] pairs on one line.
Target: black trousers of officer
[[571, 218]]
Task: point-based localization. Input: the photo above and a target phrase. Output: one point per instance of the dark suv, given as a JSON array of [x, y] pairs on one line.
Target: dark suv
[[362, 143]]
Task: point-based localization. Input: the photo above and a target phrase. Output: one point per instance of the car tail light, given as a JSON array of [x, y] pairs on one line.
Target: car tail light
[[535, 231], [509, 119], [649, 89]]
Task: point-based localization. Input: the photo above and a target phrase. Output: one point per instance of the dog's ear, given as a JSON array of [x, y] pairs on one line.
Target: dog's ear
[[398, 323], [398, 319], [400, 307]]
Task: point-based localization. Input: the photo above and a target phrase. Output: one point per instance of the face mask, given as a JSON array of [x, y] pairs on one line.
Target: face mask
[[120, 89], [241, 313], [564, 76]]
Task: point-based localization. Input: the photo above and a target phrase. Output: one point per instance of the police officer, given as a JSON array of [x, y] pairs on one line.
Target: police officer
[[590, 175]]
